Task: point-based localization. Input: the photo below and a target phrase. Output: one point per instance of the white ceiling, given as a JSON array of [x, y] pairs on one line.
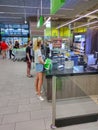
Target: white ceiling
[[15, 11]]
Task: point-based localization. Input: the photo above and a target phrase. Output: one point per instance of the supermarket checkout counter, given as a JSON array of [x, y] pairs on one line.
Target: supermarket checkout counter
[[66, 88], [62, 85]]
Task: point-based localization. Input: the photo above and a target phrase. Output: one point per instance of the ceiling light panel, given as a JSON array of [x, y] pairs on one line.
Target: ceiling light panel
[[87, 24], [69, 10], [72, 21]]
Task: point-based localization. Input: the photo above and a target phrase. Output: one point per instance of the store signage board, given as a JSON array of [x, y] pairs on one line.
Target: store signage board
[[56, 5], [40, 22]]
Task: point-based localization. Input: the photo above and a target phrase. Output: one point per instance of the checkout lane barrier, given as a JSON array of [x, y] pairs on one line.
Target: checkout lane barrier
[[78, 119]]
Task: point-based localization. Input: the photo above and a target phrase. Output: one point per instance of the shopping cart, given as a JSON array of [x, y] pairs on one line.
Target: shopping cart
[[20, 54]]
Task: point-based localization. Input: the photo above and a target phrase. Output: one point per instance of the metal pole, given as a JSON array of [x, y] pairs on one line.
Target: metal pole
[[25, 21], [37, 14], [53, 101], [41, 7], [58, 33]]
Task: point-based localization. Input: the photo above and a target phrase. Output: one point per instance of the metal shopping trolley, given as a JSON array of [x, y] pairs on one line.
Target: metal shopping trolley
[[20, 54]]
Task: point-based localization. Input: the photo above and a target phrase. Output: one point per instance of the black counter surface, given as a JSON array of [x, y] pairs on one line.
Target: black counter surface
[[76, 70]]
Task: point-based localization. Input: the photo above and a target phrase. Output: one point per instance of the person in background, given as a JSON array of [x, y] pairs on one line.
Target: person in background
[[47, 50], [4, 48], [16, 45], [0, 47], [39, 62], [43, 48], [10, 50], [32, 52], [51, 47], [28, 58]]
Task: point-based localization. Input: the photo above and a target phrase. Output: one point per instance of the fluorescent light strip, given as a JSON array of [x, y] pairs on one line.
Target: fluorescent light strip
[[57, 15], [77, 19], [67, 9], [85, 24], [31, 13], [11, 17], [2, 12], [13, 13], [94, 27], [47, 21], [17, 6]]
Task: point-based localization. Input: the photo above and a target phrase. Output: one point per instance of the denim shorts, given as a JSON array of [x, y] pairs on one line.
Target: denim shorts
[[39, 67]]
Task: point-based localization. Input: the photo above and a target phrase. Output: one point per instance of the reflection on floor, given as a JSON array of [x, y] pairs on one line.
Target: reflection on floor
[[75, 107], [94, 98]]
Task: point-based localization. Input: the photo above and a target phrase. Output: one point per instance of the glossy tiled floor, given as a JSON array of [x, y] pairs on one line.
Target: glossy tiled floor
[[19, 107]]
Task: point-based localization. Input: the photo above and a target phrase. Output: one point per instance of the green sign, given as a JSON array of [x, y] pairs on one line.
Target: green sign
[[40, 22], [56, 5]]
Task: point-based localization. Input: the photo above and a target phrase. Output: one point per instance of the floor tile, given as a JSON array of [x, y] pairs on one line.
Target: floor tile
[[8, 110], [18, 101], [1, 118], [18, 117], [29, 107], [7, 127], [31, 125]]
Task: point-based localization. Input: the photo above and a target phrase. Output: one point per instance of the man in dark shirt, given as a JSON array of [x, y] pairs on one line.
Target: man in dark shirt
[[28, 59]]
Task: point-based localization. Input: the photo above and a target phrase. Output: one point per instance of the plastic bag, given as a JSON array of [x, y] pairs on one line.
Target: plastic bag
[[48, 64]]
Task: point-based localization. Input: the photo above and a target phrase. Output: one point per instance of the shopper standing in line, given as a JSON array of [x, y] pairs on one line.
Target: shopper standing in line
[[28, 58], [10, 50], [47, 50], [39, 62], [16, 45]]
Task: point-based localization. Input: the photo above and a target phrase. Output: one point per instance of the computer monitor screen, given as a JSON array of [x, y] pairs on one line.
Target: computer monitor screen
[[79, 38]]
